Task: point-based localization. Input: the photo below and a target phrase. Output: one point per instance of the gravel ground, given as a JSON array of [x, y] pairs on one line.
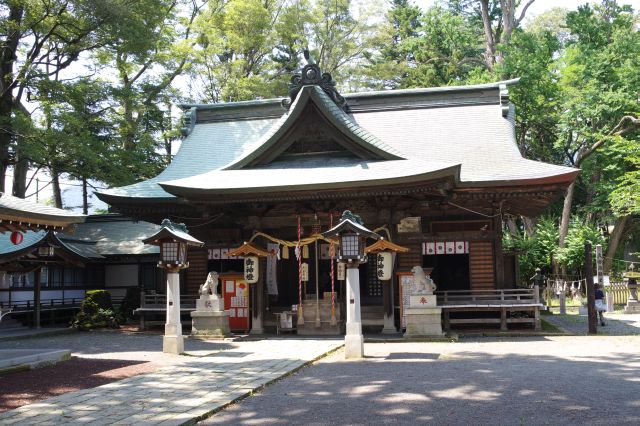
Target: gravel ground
[[525, 381], [100, 357], [617, 324]]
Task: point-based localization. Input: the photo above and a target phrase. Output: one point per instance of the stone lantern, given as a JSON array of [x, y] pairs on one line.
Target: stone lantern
[[352, 236], [632, 277], [173, 240]]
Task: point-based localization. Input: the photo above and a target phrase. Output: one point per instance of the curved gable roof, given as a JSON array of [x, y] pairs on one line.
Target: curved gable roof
[[271, 143]]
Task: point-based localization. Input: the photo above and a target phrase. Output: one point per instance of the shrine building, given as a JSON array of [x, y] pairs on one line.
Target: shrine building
[[435, 170]]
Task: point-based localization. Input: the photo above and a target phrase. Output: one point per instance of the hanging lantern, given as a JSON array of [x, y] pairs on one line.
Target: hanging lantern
[[383, 265], [17, 237], [251, 269]]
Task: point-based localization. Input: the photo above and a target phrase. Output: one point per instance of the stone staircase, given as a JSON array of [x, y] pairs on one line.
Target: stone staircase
[[372, 318]]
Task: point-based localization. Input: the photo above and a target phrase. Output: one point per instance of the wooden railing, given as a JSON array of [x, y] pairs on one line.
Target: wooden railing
[[620, 293], [29, 305], [489, 297], [159, 301]]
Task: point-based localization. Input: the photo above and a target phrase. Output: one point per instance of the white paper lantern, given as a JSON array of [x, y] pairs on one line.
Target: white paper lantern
[[251, 269], [383, 266]]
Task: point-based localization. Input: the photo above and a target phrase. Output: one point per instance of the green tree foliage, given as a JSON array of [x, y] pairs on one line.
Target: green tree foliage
[[572, 254], [599, 87], [38, 41], [537, 250]]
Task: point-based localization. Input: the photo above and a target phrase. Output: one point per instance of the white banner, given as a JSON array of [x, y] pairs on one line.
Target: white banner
[[272, 262]]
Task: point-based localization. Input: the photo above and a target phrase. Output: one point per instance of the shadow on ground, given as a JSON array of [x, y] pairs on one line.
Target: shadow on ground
[[409, 386]]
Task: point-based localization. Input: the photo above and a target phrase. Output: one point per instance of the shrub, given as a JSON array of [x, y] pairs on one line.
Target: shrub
[[101, 297], [130, 302], [95, 312]]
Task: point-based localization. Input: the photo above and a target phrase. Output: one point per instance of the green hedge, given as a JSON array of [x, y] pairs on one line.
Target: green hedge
[[96, 311]]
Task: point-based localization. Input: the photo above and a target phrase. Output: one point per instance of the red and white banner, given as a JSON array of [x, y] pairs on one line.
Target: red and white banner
[[445, 247]]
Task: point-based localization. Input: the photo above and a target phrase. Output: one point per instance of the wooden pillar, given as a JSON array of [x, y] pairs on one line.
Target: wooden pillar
[[36, 297], [387, 303], [257, 299], [503, 319], [497, 252]]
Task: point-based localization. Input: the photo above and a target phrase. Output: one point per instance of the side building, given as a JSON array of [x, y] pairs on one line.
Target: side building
[[104, 252]]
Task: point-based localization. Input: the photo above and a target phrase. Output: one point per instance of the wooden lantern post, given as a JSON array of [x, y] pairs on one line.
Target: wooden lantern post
[[384, 251], [173, 240], [252, 275], [353, 235]]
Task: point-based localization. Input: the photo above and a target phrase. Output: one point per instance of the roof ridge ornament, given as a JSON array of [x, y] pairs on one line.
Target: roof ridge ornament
[[180, 227], [311, 75], [504, 99]]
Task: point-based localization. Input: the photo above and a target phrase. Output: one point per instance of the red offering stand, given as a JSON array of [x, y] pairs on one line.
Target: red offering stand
[[236, 300]]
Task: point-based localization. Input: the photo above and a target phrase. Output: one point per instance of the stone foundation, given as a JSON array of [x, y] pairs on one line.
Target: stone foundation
[[424, 322], [213, 324], [210, 319]]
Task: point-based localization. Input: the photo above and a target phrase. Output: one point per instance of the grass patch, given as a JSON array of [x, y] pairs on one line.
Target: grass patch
[[14, 369], [549, 328]]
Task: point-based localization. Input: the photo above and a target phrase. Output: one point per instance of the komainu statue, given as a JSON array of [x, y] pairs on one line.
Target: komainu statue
[[422, 284], [210, 286]]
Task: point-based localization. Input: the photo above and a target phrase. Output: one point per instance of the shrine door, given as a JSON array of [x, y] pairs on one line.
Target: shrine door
[[236, 300]]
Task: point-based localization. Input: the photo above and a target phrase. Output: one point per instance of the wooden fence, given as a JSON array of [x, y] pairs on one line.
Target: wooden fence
[[619, 291], [577, 289]]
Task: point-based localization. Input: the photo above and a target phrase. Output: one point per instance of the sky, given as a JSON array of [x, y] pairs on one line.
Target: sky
[[71, 189]]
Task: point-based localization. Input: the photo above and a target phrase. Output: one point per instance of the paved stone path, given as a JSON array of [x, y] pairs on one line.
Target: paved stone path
[[559, 380], [618, 324], [178, 393]]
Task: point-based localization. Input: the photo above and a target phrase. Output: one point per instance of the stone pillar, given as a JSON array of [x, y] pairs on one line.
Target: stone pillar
[[173, 342], [353, 340]]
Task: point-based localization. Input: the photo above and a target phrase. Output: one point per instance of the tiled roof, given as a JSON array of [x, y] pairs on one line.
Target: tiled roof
[[443, 126], [33, 215], [32, 239], [476, 136], [317, 173], [331, 112], [209, 146], [98, 237], [117, 236]]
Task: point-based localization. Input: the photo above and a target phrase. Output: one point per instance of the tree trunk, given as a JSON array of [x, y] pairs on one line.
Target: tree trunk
[[20, 170], [490, 44], [529, 225], [7, 61], [85, 197], [566, 214], [512, 226], [614, 241], [57, 194]]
